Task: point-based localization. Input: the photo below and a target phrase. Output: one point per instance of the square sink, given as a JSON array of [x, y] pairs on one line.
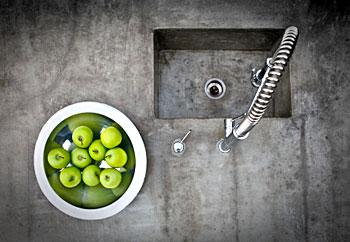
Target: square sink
[[184, 59]]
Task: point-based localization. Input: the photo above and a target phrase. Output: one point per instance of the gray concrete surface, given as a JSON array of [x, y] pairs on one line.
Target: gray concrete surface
[[182, 78], [289, 181], [184, 59]]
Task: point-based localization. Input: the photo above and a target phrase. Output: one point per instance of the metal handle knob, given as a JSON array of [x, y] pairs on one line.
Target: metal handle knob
[[179, 146]]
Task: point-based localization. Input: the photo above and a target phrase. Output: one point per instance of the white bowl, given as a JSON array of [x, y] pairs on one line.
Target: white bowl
[[140, 160]]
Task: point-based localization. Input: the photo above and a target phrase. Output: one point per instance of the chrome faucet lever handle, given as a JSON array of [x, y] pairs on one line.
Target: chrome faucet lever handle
[[179, 146], [230, 123], [186, 135]]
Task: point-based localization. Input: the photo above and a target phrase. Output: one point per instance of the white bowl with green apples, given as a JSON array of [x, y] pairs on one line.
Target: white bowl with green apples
[[90, 160]]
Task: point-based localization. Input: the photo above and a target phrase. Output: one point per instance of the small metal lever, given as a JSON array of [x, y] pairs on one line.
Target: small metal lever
[[179, 146], [230, 123]]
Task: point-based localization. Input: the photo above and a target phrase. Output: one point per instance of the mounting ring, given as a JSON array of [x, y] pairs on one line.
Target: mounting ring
[[215, 88]]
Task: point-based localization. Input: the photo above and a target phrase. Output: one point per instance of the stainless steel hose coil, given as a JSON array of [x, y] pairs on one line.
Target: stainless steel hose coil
[[278, 63]]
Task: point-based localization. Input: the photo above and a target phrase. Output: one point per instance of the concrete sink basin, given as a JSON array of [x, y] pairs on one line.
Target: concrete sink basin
[[184, 59]]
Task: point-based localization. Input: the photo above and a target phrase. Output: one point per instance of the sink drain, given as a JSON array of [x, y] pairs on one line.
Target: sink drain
[[215, 88]]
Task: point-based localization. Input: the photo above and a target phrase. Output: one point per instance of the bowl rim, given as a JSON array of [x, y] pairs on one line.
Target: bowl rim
[[140, 160]]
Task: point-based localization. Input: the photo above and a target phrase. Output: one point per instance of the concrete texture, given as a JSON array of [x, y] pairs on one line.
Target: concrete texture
[[184, 59], [183, 74], [289, 181]]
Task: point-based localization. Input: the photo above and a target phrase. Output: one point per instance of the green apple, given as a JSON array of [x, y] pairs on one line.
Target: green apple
[[58, 158], [91, 175], [82, 136], [70, 177], [110, 178], [80, 157], [111, 137], [72, 195], [97, 151], [116, 157]]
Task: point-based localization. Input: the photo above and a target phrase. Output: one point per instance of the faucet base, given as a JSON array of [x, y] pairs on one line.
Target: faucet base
[[221, 148]]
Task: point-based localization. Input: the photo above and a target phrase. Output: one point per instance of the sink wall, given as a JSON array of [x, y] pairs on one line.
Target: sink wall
[[184, 59], [287, 182]]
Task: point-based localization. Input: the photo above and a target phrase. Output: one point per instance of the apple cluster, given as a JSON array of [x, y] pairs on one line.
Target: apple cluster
[[82, 156]]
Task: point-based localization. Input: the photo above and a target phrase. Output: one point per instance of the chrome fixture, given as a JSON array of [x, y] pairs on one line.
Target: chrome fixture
[[215, 88], [258, 75], [265, 80], [179, 146]]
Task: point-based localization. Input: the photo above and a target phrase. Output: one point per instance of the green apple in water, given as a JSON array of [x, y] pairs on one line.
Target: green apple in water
[[80, 157], [111, 137], [58, 158], [82, 136], [72, 195], [70, 177], [91, 175], [97, 151], [110, 178], [116, 157]]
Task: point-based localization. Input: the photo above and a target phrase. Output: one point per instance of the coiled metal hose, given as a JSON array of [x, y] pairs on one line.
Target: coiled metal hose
[[265, 92], [278, 62], [274, 69]]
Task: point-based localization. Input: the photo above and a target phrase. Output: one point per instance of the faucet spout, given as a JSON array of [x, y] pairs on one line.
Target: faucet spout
[[271, 74]]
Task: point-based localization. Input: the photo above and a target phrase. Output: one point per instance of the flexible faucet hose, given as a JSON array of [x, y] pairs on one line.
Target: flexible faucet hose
[[269, 83]]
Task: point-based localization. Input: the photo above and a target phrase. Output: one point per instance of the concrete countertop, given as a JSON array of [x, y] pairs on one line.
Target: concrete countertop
[[289, 181]]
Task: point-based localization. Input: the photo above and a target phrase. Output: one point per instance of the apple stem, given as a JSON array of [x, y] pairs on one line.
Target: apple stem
[[59, 157], [108, 156], [81, 157], [95, 151], [80, 139]]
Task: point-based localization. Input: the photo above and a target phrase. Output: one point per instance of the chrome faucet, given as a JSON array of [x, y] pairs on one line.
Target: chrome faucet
[[265, 80]]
